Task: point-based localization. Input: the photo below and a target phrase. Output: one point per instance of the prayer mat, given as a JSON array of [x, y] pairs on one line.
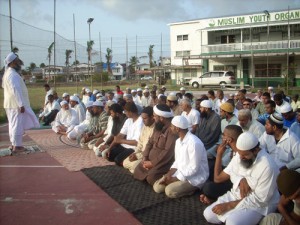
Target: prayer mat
[[139, 198]]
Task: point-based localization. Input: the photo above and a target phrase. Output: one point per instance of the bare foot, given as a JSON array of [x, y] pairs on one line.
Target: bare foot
[[19, 148], [205, 199]]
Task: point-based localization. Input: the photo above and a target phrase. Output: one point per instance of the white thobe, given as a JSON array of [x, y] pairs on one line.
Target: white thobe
[[80, 112], [255, 128], [286, 152], [68, 119], [80, 129], [49, 107], [145, 101], [15, 97], [50, 92], [191, 160]]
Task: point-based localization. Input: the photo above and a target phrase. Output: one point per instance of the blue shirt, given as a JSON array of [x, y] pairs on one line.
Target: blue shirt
[[288, 123], [295, 128]]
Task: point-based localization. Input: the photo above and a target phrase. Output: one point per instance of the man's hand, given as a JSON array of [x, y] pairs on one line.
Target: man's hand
[[147, 165], [244, 188], [22, 109], [132, 157], [222, 148], [222, 208]]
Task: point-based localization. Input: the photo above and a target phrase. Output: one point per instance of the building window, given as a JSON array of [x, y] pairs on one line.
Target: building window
[[183, 53], [274, 70], [226, 39], [182, 37]]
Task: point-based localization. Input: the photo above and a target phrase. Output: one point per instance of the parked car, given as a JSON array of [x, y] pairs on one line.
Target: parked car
[[213, 78], [147, 78]]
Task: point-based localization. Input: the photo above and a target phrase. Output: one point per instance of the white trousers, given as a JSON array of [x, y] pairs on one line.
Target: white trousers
[[77, 131], [15, 126], [236, 217]]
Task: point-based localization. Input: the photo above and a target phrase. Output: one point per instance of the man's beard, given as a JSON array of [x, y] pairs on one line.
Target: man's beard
[[66, 112], [116, 119], [203, 114], [159, 126], [247, 163]]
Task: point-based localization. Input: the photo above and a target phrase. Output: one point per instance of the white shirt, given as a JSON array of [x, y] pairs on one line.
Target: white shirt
[[286, 152], [132, 130], [219, 103], [279, 107], [69, 120], [49, 107], [193, 117], [80, 112], [47, 94], [254, 114], [255, 128], [261, 177], [145, 101], [109, 126], [191, 160]]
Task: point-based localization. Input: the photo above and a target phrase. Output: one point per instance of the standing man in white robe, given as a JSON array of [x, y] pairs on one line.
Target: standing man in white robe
[[16, 103]]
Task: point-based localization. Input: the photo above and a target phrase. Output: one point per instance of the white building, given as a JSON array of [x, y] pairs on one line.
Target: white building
[[258, 48]]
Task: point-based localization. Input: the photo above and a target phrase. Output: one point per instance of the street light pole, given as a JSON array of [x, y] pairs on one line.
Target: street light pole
[[268, 33], [89, 21]]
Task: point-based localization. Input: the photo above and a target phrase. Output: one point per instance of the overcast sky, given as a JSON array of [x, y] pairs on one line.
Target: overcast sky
[[146, 19]]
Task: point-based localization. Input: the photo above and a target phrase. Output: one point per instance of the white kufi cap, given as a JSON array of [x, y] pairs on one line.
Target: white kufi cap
[[9, 58], [65, 95], [74, 98], [89, 104], [63, 103], [286, 108], [98, 103], [180, 122], [206, 104], [246, 141]]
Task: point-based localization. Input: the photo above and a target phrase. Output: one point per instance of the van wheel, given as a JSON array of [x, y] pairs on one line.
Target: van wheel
[[195, 85]]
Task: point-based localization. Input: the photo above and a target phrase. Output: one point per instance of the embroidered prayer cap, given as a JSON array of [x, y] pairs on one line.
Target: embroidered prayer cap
[[182, 89], [74, 98], [180, 122], [172, 98], [276, 118], [89, 104], [65, 95], [286, 108], [10, 58], [98, 103], [139, 89], [206, 104], [163, 111], [133, 91], [95, 91], [246, 141], [63, 103], [288, 182], [227, 107]]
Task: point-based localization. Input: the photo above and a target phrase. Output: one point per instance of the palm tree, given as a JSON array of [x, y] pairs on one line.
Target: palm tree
[[133, 62], [15, 49], [49, 57], [68, 56], [31, 67], [89, 51], [42, 65], [108, 57], [150, 54]]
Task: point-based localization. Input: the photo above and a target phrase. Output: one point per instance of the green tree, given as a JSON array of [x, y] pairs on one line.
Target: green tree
[[89, 51], [108, 57], [31, 67], [42, 65], [150, 54], [68, 56], [76, 62], [133, 62]]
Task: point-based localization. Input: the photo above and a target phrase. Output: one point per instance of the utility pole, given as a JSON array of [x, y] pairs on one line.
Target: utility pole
[[10, 24], [75, 51]]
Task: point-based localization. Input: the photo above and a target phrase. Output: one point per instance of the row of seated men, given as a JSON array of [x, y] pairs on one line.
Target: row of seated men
[[178, 157]]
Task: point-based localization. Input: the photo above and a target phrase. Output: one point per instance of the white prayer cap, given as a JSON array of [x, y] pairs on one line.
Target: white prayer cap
[[109, 103], [76, 94], [97, 103], [146, 87], [160, 95], [158, 110], [276, 118], [246, 141], [180, 122], [163, 87], [88, 90], [139, 89], [65, 95], [83, 88], [99, 95], [172, 93], [133, 91], [89, 104], [10, 57], [270, 88], [74, 98], [172, 98], [286, 108], [95, 91], [182, 89], [206, 104], [63, 103], [231, 95], [145, 91], [236, 93]]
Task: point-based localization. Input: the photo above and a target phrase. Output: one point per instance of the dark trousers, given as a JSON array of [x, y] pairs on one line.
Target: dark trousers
[[118, 154], [51, 117], [214, 190]]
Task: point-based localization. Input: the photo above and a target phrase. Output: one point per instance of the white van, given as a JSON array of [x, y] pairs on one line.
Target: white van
[[213, 78]]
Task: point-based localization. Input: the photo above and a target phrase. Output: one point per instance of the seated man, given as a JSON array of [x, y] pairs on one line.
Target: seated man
[[66, 119], [97, 125], [50, 110], [125, 142], [269, 109], [295, 127], [136, 157], [289, 117], [212, 190], [247, 124], [248, 104], [74, 103], [80, 129], [282, 144], [191, 114], [190, 168], [158, 155], [288, 183], [254, 167]]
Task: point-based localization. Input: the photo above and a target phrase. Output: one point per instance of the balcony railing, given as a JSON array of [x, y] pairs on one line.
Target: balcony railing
[[236, 47]]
